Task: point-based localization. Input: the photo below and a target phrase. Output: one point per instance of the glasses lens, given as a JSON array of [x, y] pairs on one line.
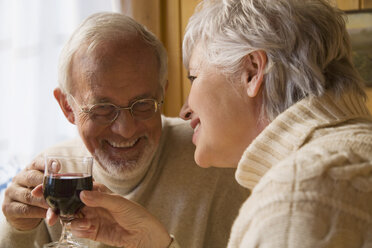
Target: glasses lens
[[104, 113], [144, 109]]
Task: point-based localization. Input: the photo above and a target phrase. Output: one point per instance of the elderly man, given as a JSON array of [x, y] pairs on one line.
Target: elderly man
[[112, 78]]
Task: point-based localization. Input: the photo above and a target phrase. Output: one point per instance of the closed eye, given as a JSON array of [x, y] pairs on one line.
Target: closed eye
[[191, 78]]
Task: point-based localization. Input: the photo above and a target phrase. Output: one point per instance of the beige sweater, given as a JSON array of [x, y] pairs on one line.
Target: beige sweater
[[197, 206], [311, 175]]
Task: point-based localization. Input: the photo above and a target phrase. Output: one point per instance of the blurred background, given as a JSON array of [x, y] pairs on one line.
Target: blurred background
[[32, 33]]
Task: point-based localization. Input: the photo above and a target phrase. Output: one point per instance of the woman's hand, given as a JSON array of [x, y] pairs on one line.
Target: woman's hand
[[116, 221], [51, 217]]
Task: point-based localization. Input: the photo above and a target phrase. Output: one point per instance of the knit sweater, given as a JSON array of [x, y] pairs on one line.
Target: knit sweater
[[187, 199], [310, 172]]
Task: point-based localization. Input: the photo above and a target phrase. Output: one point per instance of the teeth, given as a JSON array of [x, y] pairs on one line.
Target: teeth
[[197, 127], [122, 144]]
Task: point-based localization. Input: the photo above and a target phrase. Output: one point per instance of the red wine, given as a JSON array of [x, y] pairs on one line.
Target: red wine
[[61, 192]]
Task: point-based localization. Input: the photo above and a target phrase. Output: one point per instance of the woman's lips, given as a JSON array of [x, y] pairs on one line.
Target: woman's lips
[[194, 122], [196, 134]]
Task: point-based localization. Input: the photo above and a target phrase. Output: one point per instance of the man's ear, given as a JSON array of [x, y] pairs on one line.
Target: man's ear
[[253, 72], [66, 108]]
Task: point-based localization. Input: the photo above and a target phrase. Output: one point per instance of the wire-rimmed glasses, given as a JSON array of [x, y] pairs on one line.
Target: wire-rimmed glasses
[[107, 113]]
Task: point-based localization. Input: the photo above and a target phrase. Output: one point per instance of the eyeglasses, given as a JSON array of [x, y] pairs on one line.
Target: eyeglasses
[[107, 113]]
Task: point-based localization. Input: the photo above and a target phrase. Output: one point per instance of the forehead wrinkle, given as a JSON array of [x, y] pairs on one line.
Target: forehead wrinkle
[[93, 64], [84, 69], [90, 77]]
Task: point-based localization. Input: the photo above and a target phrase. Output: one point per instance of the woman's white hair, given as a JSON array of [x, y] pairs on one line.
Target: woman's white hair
[[102, 27], [306, 43]]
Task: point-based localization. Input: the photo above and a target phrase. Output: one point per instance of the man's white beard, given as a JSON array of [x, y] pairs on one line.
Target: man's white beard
[[124, 169]]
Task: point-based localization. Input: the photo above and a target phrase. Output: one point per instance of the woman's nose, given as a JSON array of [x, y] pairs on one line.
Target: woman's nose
[[185, 112]]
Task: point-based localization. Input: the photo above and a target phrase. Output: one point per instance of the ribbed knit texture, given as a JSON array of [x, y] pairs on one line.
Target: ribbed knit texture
[[311, 175]]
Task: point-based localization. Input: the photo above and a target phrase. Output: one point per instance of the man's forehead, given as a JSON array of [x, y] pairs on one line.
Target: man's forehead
[[96, 90], [106, 55], [134, 67], [114, 48], [113, 71]]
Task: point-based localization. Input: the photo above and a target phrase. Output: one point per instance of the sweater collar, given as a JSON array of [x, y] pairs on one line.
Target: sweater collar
[[290, 130]]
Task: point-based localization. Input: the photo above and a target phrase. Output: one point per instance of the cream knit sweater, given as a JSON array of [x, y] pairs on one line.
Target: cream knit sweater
[[311, 175], [197, 206]]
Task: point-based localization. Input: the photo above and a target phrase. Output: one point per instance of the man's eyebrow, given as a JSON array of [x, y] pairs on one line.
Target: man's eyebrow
[[97, 100], [142, 96]]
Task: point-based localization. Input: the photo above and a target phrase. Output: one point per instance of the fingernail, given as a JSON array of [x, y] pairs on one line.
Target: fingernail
[[33, 192], [48, 215], [55, 166]]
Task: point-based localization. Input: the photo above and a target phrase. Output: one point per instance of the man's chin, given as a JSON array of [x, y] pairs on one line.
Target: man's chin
[[124, 169]]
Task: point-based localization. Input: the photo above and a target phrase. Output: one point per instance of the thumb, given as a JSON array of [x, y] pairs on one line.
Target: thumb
[[37, 191], [133, 217], [112, 202], [51, 217]]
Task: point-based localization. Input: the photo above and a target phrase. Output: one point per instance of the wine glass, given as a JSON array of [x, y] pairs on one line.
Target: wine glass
[[64, 179]]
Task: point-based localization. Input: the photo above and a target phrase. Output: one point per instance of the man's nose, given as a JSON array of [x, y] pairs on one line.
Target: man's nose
[[124, 125], [185, 112]]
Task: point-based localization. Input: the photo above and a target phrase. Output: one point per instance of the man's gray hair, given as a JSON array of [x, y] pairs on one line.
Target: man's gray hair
[[306, 43], [102, 27]]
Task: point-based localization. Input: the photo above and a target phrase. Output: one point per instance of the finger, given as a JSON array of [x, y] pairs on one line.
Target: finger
[[86, 234], [83, 228], [51, 217], [93, 213], [37, 191], [37, 164], [53, 165], [113, 203], [20, 210], [82, 224], [29, 178], [23, 195]]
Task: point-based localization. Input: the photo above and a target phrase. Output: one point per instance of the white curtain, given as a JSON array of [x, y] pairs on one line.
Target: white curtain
[[32, 33]]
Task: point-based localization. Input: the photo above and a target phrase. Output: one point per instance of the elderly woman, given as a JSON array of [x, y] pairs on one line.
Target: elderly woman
[[275, 94], [273, 80]]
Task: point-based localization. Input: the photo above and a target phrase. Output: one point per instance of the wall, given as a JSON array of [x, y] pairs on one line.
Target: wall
[[354, 4], [357, 5], [167, 19]]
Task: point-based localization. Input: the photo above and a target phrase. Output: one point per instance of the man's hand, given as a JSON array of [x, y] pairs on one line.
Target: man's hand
[[116, 221], [24, 207]]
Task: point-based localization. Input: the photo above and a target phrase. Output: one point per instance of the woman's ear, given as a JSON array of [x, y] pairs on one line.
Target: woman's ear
[[253, 71], [64, 105]]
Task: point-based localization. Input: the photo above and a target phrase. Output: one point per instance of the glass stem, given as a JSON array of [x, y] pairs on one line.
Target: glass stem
[[66, 234]]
